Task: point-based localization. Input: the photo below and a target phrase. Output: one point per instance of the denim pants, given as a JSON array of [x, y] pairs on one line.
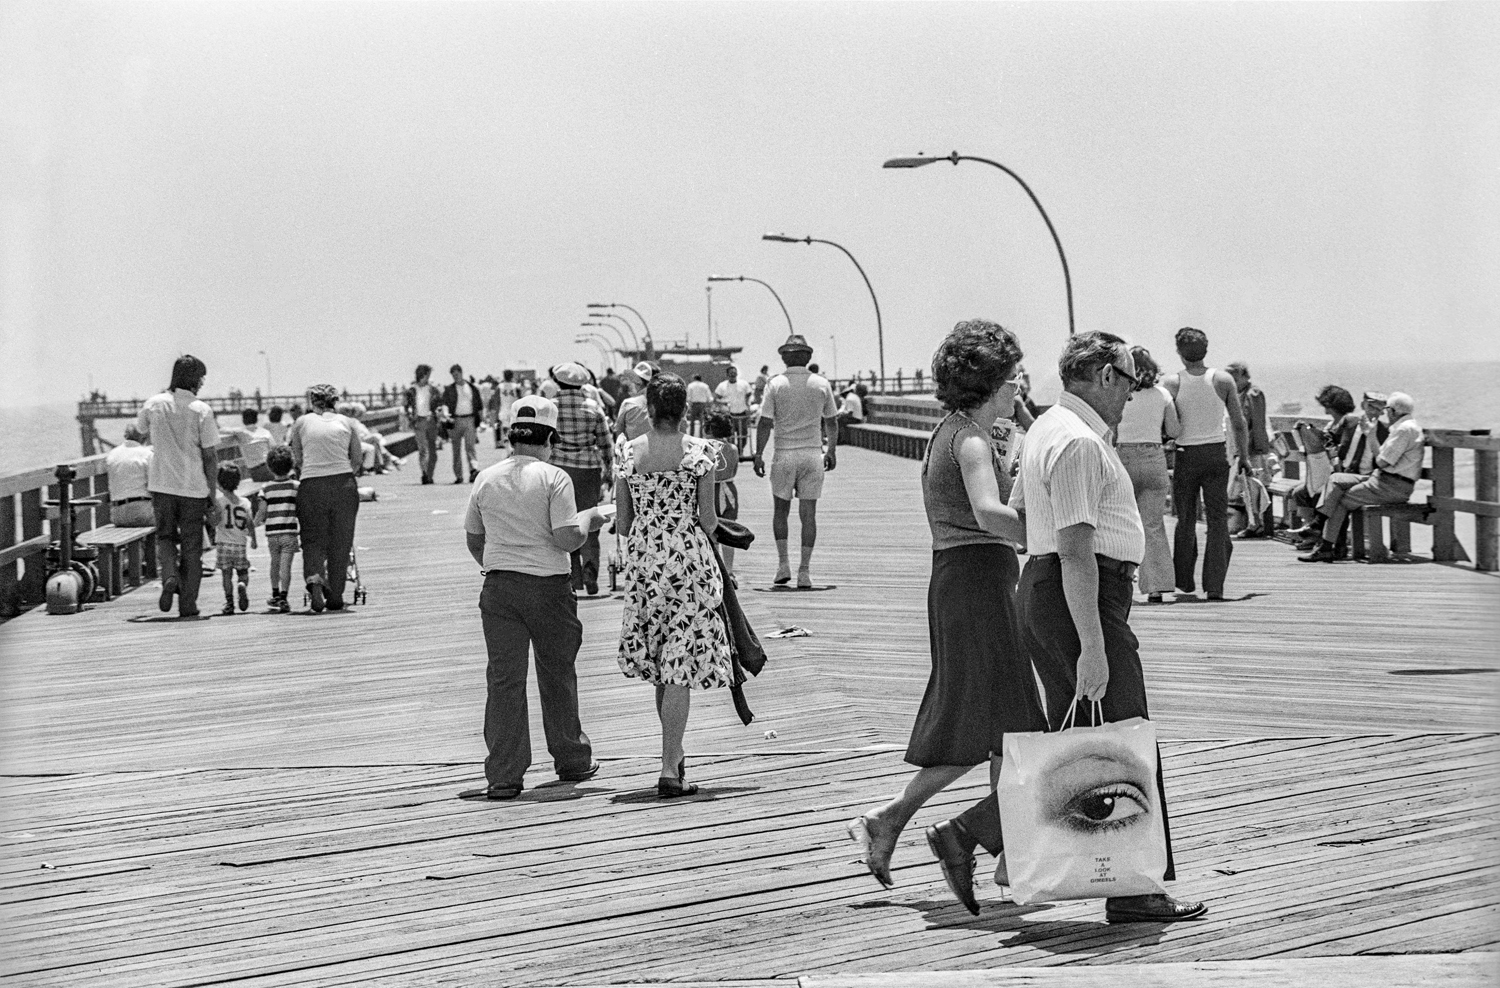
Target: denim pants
[[425, 430], [1147, 466], [327, 508], [1201, 469], [520, 610], [463, 437], [1051, 639], [179, 545], [585, 559]]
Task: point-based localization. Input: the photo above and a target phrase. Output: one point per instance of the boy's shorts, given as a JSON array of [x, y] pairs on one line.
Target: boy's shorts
[[283, 542], [232, 556], [797, 473]]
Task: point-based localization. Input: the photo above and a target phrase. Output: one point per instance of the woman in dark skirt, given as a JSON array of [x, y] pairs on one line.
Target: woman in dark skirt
[[981, 684]]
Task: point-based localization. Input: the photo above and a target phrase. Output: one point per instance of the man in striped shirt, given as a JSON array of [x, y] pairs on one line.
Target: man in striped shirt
[[278, 512], [1085, 540]]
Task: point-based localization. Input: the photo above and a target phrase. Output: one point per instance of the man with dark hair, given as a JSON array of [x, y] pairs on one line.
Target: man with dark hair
[[1203, 395], [464, 409], [182, 478], [1085, 540], [422, 400], [583, 450], [800, 406]]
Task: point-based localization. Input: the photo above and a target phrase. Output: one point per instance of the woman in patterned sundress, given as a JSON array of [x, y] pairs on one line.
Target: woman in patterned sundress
[[671, 634]]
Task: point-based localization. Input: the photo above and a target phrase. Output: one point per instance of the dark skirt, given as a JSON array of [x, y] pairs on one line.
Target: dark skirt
[[981, 684]]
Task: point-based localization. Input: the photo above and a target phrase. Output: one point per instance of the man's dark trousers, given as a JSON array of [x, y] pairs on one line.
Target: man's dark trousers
[[520, 610], [179, 545], [585, 560], [1201, 469], [1051, 641]]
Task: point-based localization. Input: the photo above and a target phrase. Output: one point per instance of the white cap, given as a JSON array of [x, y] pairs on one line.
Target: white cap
[[535, 408]]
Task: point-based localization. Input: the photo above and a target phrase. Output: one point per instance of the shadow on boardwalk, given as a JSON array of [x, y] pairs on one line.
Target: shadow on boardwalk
[[278, 801]]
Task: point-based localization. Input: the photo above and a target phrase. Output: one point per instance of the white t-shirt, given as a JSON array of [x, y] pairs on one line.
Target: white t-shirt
[[735, 395], [129, 466], [235, 520], [1143, 417], [516, 504], [463, 403], [698, 393], [854, 406], [423, 401], [259, 440], [180, 428]]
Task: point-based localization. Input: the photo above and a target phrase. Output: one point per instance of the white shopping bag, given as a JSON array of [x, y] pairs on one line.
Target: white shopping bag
[[1081, 813]]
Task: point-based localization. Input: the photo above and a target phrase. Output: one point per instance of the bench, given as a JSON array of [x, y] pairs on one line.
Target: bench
[[401, 444], [1366, 538], [908, 443], [127, 556]]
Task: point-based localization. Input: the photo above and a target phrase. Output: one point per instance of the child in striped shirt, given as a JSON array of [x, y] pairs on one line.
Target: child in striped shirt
[[278, 512]]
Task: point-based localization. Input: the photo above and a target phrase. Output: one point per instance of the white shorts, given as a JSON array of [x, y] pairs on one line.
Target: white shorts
[[797, 473]]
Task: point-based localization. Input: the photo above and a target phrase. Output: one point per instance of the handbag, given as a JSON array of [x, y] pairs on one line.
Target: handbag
[[1081, 812], [733, 534]]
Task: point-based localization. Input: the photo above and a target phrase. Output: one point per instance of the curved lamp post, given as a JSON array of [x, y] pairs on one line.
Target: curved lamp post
[[955, 157], [635, 341], [610, 326], [621, 305], [782, 238], [740, 277], [599, 343]]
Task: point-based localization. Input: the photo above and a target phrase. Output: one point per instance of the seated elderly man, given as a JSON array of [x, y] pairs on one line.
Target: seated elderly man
[[1352, 440], [1398, 467], [129, 465], [376, 459]]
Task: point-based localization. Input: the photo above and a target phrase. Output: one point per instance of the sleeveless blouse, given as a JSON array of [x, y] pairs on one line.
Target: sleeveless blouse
[[950, 516]]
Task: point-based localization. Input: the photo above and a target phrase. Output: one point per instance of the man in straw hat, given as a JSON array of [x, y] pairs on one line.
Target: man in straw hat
[[800, 407], [582, 449]]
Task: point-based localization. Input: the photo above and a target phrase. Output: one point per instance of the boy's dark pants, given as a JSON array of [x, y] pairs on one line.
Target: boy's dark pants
[[520, 610]]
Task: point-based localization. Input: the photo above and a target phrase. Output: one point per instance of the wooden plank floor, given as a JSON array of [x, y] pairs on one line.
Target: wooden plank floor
[[272, 799]]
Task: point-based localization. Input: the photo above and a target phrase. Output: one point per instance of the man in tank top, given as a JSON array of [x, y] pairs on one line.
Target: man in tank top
[[1203, 396]]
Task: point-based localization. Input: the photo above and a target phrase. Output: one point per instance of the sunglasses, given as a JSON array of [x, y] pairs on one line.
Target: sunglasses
[[1135, 382]]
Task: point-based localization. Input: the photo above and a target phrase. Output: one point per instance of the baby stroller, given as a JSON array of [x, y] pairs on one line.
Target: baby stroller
[[358, 594]]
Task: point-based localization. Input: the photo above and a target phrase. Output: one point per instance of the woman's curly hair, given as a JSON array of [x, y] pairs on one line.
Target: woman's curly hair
[[323, 397], [972, 362], [666, 398]]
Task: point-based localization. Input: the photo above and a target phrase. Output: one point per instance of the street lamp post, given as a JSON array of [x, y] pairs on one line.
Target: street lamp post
[[269, 392], [599, 343], [782, 238], [955, 157], [621, 305], [740, 277], [610, 326], [629, 327]]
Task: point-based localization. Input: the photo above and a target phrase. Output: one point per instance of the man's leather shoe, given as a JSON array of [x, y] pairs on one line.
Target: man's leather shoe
[[1156, 908], [168, 591], [1322, 554], [957, 863], [583, 776], [502, 792]]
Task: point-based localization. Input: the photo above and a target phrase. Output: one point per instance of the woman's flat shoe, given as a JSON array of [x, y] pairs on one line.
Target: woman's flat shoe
[[875, 846], [671, 788]]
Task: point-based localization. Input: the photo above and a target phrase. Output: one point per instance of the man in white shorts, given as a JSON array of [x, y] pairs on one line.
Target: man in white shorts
[[799, 405]]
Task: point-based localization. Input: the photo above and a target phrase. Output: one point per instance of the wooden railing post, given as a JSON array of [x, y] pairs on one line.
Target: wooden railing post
[[1445, 547], [1486, 527], [10, 600], [34, 580]]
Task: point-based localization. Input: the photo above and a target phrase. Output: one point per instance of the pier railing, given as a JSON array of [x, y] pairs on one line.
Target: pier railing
[[902, 422], [28, 527], [91, 411]]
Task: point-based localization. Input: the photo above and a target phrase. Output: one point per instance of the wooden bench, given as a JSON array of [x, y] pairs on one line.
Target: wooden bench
[[908, 443], [127, 556], [401, 444], [1366, 539]]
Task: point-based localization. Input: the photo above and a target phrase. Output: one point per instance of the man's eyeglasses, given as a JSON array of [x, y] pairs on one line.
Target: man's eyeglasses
[[1135, 382]]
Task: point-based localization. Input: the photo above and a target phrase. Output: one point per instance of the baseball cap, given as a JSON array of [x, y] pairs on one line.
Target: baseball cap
[[535, 408], [645, 370]]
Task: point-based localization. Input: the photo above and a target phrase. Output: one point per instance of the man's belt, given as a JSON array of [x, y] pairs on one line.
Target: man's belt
[[1386, 474], [1107, 564], [132, 500]]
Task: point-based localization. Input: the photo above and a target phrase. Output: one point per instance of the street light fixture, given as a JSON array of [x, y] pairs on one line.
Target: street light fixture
[[599, 343], [955, 157], [629, 327], [782, 238], [621, 305], [611, 326], [269, 392], [740, 277]]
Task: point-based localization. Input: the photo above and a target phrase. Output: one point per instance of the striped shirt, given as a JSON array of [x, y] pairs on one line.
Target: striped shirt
[[1070, 475], [280, 497]]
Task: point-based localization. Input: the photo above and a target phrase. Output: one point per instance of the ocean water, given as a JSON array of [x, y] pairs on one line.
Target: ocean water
[[1448, 396]]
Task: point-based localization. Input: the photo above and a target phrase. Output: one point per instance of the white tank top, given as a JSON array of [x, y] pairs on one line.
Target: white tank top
[[1142, 419], [1199, 409]]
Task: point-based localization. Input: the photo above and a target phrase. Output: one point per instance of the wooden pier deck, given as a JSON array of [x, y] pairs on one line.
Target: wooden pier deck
[[271, 799]]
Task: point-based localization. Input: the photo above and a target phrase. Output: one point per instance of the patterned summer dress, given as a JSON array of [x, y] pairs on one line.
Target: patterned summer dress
[[671, 632]]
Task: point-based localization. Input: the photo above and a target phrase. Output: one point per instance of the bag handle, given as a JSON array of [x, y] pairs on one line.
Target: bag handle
[[1096, 714]]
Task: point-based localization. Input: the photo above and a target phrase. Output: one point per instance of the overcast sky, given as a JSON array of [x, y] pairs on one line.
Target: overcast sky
[[357, 187]]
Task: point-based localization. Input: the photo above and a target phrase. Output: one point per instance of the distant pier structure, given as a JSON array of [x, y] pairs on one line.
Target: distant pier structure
[[92, 410]]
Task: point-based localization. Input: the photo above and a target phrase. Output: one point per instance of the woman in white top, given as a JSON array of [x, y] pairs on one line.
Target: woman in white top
[[327, 451], [1150, 416]]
